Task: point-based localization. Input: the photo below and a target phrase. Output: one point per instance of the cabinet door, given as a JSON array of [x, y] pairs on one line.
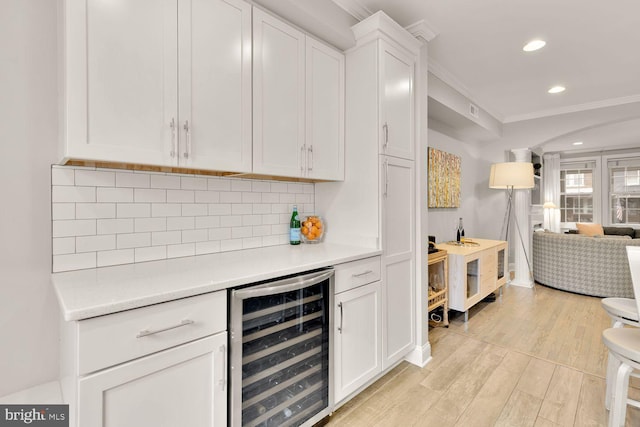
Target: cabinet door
[[324, 111], [215, 84], [397, 93], [182, 386], [398, 258], [357, 338], [121, 80], [278, 97]]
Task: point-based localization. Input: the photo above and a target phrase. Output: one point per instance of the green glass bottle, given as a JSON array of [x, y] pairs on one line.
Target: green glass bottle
[[294, 227]]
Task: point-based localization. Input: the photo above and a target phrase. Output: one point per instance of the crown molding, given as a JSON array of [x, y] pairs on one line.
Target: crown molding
[[380, 25], [612, 102], [422, 30], [354, 8], [446, 76]]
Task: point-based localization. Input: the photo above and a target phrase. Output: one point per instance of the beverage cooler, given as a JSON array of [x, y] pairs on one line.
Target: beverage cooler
[[280, 341]]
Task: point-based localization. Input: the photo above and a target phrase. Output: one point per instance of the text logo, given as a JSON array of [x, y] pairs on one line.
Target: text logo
[[34, 415]]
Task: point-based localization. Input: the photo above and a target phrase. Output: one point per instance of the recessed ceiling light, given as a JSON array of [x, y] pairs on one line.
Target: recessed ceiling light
[[557, 89], [534, 45], [577, 143]]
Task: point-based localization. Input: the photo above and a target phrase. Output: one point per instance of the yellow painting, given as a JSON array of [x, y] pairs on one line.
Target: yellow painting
[[444, 179]]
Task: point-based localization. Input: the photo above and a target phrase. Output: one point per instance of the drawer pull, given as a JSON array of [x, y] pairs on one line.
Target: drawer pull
[[362, 274], [147, 332]]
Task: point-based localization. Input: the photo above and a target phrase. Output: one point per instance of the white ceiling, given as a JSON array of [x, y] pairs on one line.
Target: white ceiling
[[593, 48]]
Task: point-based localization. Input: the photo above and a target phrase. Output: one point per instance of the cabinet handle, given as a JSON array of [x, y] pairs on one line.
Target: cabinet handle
[[386, 177], [310, 167], [385, 127], [362, 274], [174, 148], [303, 149], [340, 327], [148, 332], [187, 130], [223, 381]]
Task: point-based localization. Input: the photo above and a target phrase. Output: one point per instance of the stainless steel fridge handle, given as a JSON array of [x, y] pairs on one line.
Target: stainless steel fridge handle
[[285, 285]]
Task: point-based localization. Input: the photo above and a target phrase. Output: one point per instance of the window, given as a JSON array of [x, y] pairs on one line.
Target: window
[[576, 192], [624, 191]]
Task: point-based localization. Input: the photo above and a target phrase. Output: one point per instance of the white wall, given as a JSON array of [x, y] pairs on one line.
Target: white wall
[[28, 119], [474, 194]]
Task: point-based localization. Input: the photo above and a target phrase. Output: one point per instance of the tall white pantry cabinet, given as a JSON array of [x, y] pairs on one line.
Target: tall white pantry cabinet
[[375, 205]]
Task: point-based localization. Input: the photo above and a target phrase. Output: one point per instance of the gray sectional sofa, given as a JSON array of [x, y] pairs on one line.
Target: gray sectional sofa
[[595, 266]]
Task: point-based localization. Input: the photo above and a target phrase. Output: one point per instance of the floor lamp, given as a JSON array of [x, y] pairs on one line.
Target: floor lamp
[[512, 176]]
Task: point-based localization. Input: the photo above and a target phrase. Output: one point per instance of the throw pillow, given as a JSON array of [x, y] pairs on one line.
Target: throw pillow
[[589, 229], [619, 231]]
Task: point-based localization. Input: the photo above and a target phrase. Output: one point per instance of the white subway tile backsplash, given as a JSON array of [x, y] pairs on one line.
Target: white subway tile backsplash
[[116, 257], [74, 227], [260, 186], [230, 221], [166, 238], [230, 245], [134, 180], [166, 209], [180, 196], [168, 182], [95, 243], [218, 184], [220, 209], [219, 233], [63, 211], [95, 210], [104, 217], [189, 236], [74, 261], [115, 226], [230, 197], [241, 232], [207, 197], [133, 240], [240, 185], [150, 253], [62, 176], [133, 210], [69, 194], [241, 209], [95, 178], [114, 195], [194, 209], [150, 224], [149, 195], [191, 183], [207, 221], [176, 251], [208, 247], [180, 223], [63, 245]]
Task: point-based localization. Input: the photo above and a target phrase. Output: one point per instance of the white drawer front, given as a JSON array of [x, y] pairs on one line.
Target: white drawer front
[[108, 340], [357, 273]]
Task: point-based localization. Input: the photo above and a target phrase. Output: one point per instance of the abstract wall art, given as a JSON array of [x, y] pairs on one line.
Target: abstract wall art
[[444, 179]]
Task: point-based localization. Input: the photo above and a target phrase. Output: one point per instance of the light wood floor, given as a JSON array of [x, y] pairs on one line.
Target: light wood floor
[[532, 358]]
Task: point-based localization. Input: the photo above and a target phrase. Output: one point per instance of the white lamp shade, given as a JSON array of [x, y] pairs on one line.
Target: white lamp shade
[[516, 175], [549, 205]]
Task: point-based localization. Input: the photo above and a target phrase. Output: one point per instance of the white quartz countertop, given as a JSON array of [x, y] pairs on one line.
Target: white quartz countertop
[[99, 291]]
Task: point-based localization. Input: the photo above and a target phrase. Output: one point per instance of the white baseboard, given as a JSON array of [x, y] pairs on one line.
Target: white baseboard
[[420, 356]]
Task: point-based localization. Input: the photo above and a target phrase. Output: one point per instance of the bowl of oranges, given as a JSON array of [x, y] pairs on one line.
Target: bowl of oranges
[[312, 229]]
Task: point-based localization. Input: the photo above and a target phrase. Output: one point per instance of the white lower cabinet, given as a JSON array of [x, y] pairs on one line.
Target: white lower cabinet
[[160, 365], [182, 386], [357, 326]]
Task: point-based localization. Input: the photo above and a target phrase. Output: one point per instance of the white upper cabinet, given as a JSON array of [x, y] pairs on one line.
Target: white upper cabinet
[[298, 103], [396, 102], [325, 112], [278, 98], [159, 82]]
